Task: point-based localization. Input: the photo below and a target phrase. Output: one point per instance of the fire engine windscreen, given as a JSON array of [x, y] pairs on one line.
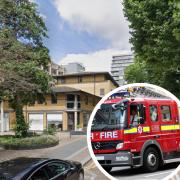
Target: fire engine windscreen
[[110, 117]]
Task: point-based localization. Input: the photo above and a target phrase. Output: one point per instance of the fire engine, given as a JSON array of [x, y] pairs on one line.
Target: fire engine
[[136, 132]]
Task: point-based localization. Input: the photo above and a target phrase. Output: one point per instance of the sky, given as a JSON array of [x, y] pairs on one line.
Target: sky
[[85, 31]]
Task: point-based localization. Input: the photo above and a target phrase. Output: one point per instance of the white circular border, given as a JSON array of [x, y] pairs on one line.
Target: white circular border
[[98, 106]]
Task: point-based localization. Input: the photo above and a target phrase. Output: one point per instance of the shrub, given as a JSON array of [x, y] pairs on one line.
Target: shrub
[[43, 141], [50, 131]]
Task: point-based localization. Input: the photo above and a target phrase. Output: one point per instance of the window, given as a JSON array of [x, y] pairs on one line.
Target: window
[[53, 98], [57, 168], [41, 174], [137, 114], [40, 100], [62, 80], [79, 79], [70, 101], [165, 113], [86, 118], [102, 92], [79, 101], [153, 113]]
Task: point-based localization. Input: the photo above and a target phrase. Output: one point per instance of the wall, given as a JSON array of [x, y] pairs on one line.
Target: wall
[[88, 84]]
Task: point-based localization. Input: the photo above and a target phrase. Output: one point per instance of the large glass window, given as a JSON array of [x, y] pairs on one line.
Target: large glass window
[[165, 113]]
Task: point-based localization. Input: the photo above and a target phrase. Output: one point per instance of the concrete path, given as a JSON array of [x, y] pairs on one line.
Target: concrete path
[[74, 148]]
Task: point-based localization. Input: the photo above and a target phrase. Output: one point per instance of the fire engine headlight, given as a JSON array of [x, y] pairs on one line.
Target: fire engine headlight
[[122, 158], [119, 146]]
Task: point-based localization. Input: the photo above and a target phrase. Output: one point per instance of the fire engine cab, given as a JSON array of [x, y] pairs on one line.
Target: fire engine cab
[[136, 132]]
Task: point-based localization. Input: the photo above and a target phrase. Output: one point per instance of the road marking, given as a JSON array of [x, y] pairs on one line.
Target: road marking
[[76, 153], [157, 174]]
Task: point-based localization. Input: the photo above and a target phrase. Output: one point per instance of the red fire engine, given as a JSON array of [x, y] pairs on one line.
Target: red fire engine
[[136, 132]]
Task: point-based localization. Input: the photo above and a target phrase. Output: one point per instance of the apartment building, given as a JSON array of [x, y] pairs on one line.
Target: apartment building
[[95, 83], [119, 64], [69, 105]]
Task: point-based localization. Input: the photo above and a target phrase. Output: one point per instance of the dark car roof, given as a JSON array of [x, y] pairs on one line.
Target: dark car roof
[[13, 167], [20, 166], [16, 168]]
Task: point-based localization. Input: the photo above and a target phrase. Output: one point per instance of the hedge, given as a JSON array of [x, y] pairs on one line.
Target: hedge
[[35, 142]]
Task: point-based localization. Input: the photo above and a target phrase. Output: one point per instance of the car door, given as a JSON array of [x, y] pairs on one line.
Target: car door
[[61, 171], [40, 174]]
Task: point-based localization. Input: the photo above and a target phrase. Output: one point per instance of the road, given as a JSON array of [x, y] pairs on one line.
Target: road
[[126, 173], [78, 151], [68, 151]]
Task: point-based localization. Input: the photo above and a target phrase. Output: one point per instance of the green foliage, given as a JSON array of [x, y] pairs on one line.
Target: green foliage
[[155, 28], [21, 126], [136, 73], [35, 142], [50, 130], [23, 20], [23, 58]]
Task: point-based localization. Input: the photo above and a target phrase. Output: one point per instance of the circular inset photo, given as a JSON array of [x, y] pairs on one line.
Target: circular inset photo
[[134, 132]]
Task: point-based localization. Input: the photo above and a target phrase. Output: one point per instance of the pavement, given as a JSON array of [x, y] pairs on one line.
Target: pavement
[[74, 148], [92, 172]]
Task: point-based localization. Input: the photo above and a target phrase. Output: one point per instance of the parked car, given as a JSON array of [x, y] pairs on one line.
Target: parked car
[[40, 169]]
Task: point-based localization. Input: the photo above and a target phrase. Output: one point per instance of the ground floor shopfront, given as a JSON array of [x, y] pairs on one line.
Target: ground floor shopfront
[[62, 120], [38, 121]]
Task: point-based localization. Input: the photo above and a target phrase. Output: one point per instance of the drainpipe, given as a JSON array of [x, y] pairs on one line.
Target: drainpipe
[[94, 90], [75, 113], [2, 116]]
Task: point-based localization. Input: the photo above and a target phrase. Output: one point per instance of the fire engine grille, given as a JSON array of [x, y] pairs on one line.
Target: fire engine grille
[[105, 145]]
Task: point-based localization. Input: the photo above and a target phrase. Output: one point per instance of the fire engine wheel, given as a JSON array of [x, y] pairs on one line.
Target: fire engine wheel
[[107, 169], [151, 160]]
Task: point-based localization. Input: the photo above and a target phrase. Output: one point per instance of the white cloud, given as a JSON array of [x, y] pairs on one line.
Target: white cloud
[[95, 61], [101, 17]]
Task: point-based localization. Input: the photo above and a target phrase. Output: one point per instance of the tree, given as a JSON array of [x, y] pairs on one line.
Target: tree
[[23, 57], [136, 73], [155, 28]]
